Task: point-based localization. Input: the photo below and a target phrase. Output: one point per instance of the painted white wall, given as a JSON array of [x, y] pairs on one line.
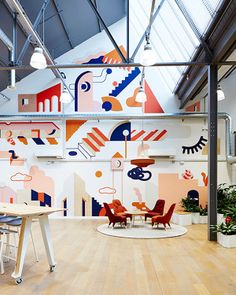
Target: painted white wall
[[228, 105]]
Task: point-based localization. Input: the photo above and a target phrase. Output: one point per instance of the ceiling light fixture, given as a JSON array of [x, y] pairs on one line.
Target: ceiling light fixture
[[65, 97], [38, 60], [220, 93], [148, 56], [141, 95]]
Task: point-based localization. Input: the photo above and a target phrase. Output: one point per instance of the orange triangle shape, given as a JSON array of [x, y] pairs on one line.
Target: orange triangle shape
[[117, 155], [72, 126], [151, 105]]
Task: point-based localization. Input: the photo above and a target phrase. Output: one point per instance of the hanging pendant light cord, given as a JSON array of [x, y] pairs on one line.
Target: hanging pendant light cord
[[148, 31]]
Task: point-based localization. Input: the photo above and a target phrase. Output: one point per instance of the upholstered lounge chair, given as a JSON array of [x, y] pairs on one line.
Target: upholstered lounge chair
[[119, 209], [164, 219], [113, 219], [157, 210]]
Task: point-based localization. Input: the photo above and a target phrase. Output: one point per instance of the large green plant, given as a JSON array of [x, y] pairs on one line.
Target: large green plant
[[188, 205], [222, 198]]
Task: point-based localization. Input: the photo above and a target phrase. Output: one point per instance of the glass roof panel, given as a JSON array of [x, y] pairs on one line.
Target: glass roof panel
[[173, 36]]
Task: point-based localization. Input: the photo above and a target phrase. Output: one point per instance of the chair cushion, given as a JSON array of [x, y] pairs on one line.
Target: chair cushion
[[119, 209]]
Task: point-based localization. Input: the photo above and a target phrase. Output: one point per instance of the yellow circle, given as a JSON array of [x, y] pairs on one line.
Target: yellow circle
[[98, 173]]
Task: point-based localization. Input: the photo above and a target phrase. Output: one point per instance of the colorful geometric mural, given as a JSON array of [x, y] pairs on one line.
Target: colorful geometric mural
[[14, 160], [21, 177], [43, 198], [72, 126], [174, 189], [7, 194], [196, 147], [111, 100], [40, 183], [40, 132], [47, 100]]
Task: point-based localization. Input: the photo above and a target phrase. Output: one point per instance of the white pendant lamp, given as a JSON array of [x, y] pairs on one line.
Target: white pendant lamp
[[141, 95], [148, 56], [220, 93], [38, 60], [65, 97]]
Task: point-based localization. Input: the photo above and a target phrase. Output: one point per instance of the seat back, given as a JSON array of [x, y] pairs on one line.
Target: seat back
[[169, 213], [108, 212], [118, 207], [159, 206]]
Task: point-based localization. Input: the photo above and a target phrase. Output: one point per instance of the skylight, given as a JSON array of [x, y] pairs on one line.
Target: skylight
[[176, 30]]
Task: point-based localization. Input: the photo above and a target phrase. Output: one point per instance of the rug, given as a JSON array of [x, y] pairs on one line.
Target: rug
[[142, 231]]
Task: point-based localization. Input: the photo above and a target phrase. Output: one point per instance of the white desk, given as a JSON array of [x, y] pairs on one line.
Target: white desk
[[28, 213]]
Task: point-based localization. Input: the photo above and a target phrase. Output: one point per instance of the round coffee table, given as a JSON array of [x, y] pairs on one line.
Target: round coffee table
[[135, 213]]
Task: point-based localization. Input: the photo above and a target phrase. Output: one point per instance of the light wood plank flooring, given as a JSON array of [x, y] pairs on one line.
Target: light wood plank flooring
[[91, 263]]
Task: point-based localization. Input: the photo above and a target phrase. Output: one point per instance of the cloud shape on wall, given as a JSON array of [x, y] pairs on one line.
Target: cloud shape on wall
[[107, 190], [21, 177]]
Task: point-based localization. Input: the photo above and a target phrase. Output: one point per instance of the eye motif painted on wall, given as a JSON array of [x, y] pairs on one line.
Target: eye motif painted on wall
[[85, 86], [195, 148]]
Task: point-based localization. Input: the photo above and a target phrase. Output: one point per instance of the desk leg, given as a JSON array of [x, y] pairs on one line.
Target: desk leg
[[44, 224], [22, 246]]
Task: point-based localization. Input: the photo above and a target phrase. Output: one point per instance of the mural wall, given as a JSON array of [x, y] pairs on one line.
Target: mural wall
[[105, 160], [96, 161]]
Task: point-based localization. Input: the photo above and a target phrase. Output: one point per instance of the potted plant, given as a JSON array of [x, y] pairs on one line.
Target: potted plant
[[222, 201], [195, 214], [183, 217], [226, 233], [203, 214]]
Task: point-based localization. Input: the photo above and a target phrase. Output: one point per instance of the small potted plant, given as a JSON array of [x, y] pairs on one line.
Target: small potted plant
[[203, 214], [226, 233], [222, 201], [195, 214], [184, 217]]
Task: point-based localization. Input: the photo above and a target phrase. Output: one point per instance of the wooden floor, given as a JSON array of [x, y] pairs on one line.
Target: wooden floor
[[91, 263]]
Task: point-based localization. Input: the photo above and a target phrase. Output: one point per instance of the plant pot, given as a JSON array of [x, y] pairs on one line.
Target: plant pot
[[203, 219], [227, 241], [182, 218], [195, 217], [220, 218]]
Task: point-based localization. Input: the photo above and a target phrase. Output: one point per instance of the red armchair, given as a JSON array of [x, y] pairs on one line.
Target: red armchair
[[119, 209], [157, 210], [113, 219], [164, 219]]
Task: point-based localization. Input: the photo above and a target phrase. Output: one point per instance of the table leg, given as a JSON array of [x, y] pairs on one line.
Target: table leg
[[22, 246], [44, 224]]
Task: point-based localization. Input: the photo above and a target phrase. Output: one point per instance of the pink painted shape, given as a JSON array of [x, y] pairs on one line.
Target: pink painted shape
[[173, 189], [85, 99], [151, 105], [40, 182], [4, 155], [17, 162], [142, 149], [138, 194], [28, 125], [6, 194]]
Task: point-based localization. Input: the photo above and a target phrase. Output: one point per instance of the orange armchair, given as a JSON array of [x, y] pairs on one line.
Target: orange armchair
[[113, 219], [157, 210], [119, 209], [164, 219]]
